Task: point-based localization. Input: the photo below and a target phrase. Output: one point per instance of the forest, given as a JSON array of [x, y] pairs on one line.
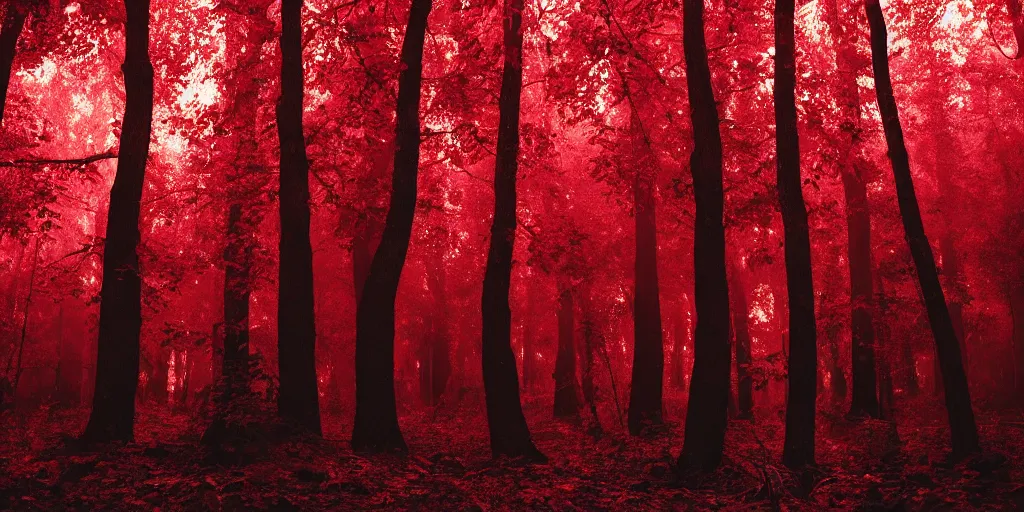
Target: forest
[[511, 255]]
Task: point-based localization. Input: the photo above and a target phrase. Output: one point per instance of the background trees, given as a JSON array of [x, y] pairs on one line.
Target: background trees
[[603, 142]]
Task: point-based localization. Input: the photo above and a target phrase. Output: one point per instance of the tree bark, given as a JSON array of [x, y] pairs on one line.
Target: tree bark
[[646, 389], [963, 430], [376, 424], [740, 318], [567, 404], [510, 435], [886, 387], [117, 359], [14, 22], [435, 362], [298, 402], [864, 400], [706, 417], [798, 449]]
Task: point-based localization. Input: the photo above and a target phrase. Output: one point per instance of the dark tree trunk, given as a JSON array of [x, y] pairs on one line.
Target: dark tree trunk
[[14, 22], [117, 359], [706, 415], [567, 404], [798, 449], [237, 291], [362, 256], [645, 392], [376, 425], [588, 328], [509, 434], [858, 224], [529, 333], [158, 381], [677, 375], [744, 382], [886, 352], [963, 429], [298, 402], [234, 376], [864, 401], [435, 362]]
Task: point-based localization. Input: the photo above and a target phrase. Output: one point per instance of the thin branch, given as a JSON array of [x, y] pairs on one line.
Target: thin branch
[[30, 162]]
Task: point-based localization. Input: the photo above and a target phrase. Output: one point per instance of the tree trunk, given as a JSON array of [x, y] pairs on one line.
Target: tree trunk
[[706, 417], [298, 403], [117, 359], [376, 424], [237, 292], [14, 22], [590, 340], [864, 401], [963, 429], [24, 322], [798, 449], [158, 381], [886, 388], [645, 393], [509, 434], [567, 405], [435, 361], [740, 313]]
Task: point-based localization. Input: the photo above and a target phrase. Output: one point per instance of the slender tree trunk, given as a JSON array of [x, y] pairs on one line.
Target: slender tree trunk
[[435, 362], [14, 22], [24, 321], [706, 417], [798, 449], [745, 383], [886, 387], [376, 424], [645, 393], [567, 405], [510, 435], [158, 381], [117, 359], [298, 403], [237, 292], [963, 429], [864, 400], [589, 336]]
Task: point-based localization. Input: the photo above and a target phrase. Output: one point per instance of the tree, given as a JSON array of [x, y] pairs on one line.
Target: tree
[[567, 404], [963, 430], [864, 400], [798, 449], [244, 44], [510, 435], [744, 381], [376, 424], [14, 22], [646, 386], [707, 409], [298, 401], [117, 359]]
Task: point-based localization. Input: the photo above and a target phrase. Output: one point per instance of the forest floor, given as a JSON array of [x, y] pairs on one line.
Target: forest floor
[[863, 466]]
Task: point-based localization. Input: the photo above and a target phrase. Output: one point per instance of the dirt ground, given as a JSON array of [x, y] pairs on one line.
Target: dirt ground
[[862, 466]]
